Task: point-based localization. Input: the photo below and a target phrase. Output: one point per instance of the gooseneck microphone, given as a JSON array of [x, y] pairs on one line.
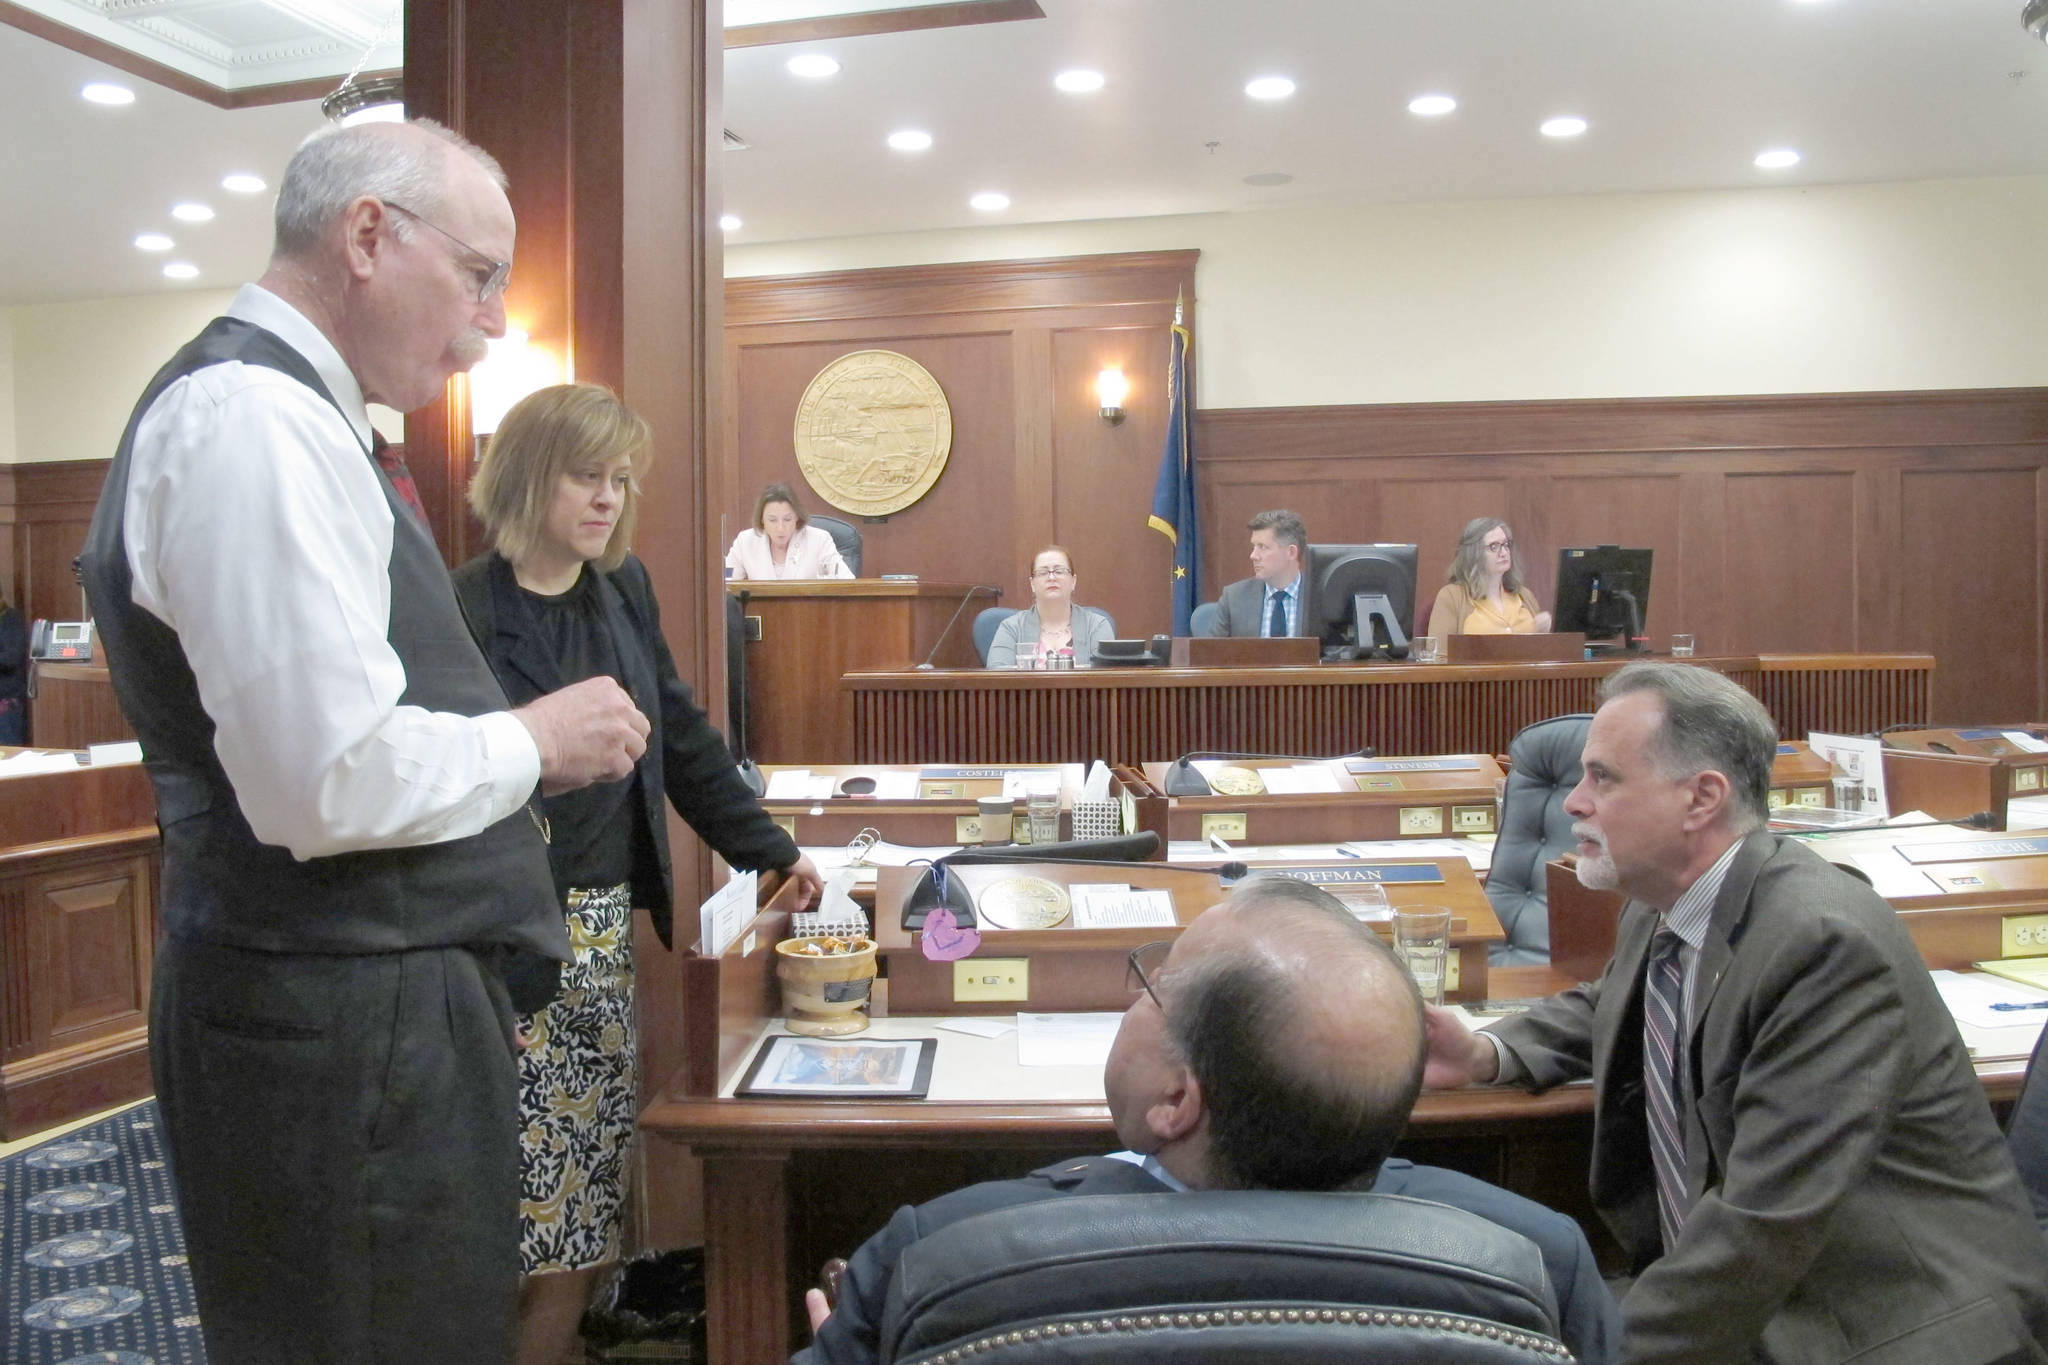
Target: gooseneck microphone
[[1183, 778], [978, 587]]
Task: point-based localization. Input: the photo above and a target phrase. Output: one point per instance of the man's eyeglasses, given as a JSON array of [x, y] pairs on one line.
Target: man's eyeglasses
[[1050, 573], [489, 283], [1145, 961], [1501, 546]]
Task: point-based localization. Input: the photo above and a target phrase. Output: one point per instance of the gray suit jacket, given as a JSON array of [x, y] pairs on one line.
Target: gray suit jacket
[[1848, 1195], [1237, 608]]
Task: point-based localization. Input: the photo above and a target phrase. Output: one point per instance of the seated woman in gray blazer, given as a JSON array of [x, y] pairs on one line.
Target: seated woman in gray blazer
[[1053, 624]]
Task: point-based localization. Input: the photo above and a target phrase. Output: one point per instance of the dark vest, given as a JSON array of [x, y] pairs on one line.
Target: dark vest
[[220, 883]]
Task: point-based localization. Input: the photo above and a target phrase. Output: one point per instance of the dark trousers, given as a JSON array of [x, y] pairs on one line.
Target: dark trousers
[[344, 1136]]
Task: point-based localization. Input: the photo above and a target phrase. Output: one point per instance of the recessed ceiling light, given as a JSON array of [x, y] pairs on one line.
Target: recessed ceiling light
[[1777, 159], [106, 92], [152, 241], [191, 213], [990, 201], [1269, 88], [813, 66], [1564, 125], [1267, 179], [1079, 81], [910, 140], [243, 183], [181, 270], [729, 222], [1431, 106]]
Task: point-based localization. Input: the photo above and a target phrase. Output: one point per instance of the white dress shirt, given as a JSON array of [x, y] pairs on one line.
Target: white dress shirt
[[812, 553], [258, 531]]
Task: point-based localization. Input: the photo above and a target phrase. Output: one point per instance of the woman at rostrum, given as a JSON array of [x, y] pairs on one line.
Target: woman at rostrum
[[1484, 594]]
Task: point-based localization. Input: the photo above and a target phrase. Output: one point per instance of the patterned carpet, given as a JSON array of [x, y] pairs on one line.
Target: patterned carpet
[[92, 1253]]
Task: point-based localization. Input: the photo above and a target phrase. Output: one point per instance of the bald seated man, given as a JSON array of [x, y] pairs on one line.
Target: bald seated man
[[1276, 1044], [352, 873]]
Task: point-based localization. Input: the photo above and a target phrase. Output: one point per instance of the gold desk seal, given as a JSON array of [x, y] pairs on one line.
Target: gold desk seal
[[1022, 903], [1237, 782], [873, 431]]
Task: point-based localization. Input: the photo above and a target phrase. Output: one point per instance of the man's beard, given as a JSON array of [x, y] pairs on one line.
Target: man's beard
[[1598, 872], [470, 348]]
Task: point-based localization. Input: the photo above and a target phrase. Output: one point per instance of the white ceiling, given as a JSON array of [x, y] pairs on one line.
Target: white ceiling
[[1681, 94]]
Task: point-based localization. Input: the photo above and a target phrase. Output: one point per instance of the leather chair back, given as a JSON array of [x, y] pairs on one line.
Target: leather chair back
[[1224, 1275], [1202, 619], [846, 536], [1533, 830], [985, 622]]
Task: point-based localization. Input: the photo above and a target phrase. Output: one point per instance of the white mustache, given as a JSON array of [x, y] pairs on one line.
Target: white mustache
[[1589, 835], [470, 348]]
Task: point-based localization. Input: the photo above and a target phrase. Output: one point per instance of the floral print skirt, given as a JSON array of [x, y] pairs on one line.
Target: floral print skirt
[[578, 1089]]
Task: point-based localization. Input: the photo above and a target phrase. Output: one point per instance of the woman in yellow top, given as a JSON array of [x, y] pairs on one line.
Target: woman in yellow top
[[1484, 594]]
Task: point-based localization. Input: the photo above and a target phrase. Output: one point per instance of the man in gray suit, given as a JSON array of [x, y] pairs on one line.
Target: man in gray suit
[[1788, 1136], [1270, 601]]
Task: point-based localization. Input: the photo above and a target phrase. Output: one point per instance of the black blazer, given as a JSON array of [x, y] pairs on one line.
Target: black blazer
[[686, 758]]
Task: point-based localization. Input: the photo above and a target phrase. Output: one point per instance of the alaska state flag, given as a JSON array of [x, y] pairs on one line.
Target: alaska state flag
[[1173, 496]]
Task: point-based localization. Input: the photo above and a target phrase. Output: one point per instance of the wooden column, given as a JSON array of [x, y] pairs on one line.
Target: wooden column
[[603, 114]]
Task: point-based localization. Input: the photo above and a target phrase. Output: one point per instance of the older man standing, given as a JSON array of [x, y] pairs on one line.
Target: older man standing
[[349, 859], [1276, 1044], [1788, 1135]]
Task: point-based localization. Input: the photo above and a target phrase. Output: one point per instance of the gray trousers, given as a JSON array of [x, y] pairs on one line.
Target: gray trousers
[[343, 1133]]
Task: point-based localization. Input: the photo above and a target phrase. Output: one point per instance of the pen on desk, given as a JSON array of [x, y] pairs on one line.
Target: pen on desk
[[1348, 853], [1216, 841], [2006, 1006]]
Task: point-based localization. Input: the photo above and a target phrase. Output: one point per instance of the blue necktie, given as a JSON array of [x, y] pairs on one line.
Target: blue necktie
[[1276, 620], [1663, 1003]]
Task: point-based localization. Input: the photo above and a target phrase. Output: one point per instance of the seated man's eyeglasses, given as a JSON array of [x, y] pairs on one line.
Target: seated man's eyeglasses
[[491, 275], [1146, 960]]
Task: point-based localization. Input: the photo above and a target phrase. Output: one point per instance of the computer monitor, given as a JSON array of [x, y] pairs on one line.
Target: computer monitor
[[1604, 591], [1362, 597]]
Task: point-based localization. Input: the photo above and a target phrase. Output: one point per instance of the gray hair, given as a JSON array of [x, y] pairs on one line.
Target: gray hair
[[1709, 722], [336, 166]]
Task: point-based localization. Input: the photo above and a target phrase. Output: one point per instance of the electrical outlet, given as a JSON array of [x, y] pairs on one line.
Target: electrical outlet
[[1223, 827], [967, 829], [991, 978], [787, 824], [1472, 819], [752, 629], [2023, 936], [1422, 819], [1451, 973], [2026, 779], [1814, 798]]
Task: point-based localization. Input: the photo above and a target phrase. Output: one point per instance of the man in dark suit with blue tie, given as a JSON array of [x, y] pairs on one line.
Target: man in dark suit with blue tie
[[1788, 1136], [1276, 1044], [1269, 603]]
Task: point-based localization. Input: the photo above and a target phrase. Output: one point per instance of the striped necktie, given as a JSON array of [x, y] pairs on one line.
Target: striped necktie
[[1663, 1006], [1276, 620]]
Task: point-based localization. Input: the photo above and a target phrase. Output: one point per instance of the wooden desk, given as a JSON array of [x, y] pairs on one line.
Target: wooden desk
[[1145, 714], [788, 1184], [79, 864], [811, 632], [1427, 797], [944, 811], [74, 707]]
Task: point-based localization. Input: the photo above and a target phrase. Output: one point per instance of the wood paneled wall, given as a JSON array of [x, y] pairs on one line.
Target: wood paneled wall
[[44, 510], [1867, 522], [1015, 346]]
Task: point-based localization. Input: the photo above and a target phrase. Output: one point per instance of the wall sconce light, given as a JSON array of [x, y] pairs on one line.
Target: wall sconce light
[[512, 369], [1111, 388]]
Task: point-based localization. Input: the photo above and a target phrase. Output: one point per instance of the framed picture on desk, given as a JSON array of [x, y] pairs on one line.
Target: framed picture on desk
[[787, 1066]]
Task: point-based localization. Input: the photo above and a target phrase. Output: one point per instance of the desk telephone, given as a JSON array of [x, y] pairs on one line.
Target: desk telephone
[[61, 641]]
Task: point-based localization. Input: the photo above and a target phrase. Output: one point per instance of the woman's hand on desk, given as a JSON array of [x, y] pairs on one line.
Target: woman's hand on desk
[[1542, 623]]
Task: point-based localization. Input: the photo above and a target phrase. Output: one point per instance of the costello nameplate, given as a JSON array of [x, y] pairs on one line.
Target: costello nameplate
[[873, 431]]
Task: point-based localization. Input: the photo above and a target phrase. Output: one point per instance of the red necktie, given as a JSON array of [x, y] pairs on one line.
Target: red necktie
[[394, 469]]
